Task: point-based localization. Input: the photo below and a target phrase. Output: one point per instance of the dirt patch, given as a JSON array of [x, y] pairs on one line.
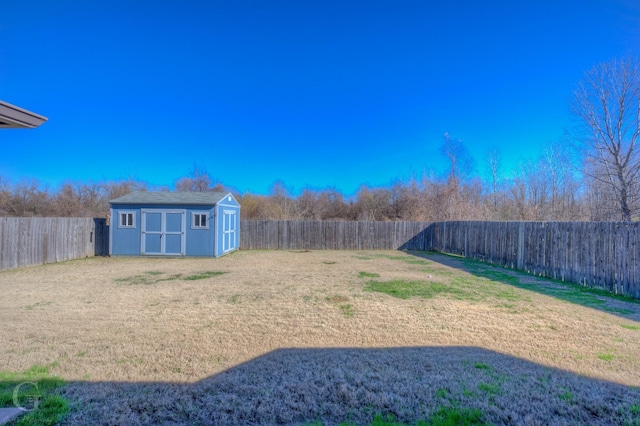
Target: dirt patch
[[104, 322]]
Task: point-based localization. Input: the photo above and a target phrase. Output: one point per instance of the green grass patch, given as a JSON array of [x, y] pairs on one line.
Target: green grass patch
[[153, 277], [589, 297], [489, 388], [203, 275], [482, 366], [453, 416], [36, 305], [134, 280], [444, 416], [34, 389], [404, 289], [566, 396], [146, 279], [51, 410], [508, 294], [606, 357], [569, 292], [368, 275], [630, 327], [388, 420], [437, 271], [461, 287], [510, 306], [491, 273], [442, 393], [363, 257], [411, 260], [475, 289], [347, 310]]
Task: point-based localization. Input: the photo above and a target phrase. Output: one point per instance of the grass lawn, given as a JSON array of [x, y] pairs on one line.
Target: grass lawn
[[319, 337]]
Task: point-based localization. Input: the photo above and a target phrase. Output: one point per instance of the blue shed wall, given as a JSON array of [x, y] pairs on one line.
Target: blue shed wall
[[127, 241], [200, 241], [225, 210], [124, 241]]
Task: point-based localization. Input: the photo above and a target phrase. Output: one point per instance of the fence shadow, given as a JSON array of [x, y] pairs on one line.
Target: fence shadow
[[596, 299], [297, 386]]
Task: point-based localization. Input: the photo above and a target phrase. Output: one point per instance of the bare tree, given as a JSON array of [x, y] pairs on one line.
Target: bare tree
[[198, 181], [557, 166], [67, 202], [281, 204], [453, 197], [494, 166], [5, 196], [607, 102], [252, 206], [323, 204], [29, 199], [373, 204], [461, 163], [116, 189], [406, 200], [332, 204]]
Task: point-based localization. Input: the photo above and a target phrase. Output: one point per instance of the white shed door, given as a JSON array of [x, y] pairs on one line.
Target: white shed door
[[229, 233], [163, 232]]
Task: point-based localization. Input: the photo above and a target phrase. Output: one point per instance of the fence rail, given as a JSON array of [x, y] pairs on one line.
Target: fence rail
[[332, 235], [26, 241]]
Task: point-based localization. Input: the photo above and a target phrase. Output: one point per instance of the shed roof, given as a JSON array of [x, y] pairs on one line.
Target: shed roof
[[165, 197], [12, 116]]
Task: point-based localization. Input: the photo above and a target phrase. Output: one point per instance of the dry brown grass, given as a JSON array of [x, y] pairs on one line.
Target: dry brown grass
[[123, 329]]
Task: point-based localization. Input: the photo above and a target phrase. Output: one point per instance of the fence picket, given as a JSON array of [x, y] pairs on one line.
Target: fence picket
[[27, 241]]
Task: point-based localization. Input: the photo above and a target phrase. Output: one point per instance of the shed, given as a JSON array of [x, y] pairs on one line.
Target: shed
[[174, 224]]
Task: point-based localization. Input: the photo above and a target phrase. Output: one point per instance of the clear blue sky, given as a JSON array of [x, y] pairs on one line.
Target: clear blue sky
[[315, 93]]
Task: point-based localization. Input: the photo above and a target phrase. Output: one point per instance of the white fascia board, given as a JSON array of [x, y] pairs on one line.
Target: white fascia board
[[13, 117]]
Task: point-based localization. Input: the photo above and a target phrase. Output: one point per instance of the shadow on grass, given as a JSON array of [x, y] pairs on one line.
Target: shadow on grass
[[624, 307], [353, 385]]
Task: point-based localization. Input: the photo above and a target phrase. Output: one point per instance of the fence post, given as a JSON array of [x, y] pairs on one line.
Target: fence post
[[520, 247], [45, 253], [466, 239]]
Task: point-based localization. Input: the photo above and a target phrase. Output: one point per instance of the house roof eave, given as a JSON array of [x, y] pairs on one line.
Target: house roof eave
[[13, 117]]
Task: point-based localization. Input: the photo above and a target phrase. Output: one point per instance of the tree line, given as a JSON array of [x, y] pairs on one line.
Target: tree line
[[592, 174]]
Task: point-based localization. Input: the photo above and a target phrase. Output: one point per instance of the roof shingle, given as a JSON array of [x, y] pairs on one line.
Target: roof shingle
[[165, 197]]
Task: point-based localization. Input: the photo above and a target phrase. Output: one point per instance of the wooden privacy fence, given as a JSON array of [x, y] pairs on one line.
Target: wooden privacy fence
[[332, 235], [603, 255], [26, 241]]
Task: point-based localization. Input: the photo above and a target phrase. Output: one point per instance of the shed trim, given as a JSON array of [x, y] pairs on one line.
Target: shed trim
[[162, 232], [195, 225], [133, 219]]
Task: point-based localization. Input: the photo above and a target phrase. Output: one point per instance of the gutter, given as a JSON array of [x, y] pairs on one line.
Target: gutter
[[13, 117]]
